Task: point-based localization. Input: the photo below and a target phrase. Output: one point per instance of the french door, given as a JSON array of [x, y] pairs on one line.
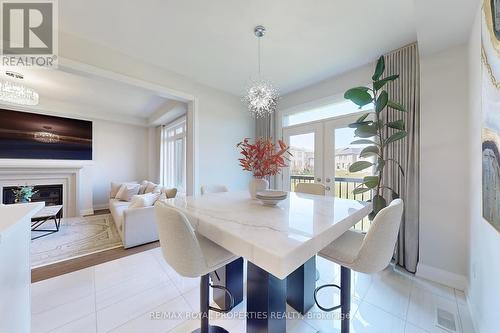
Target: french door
[[322, 153]]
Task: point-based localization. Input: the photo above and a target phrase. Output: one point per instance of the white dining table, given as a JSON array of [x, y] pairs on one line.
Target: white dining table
[[279, 242]]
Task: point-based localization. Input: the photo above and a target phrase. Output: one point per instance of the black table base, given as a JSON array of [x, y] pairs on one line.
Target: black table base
[[300, 287], [35, 225], [267, 297], [266, 301]]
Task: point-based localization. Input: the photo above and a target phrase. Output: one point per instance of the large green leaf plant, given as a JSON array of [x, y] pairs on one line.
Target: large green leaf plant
[[377, 133]]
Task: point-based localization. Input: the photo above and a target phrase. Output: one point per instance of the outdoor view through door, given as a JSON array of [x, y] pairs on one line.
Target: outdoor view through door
[[322, 151], [173, 155]]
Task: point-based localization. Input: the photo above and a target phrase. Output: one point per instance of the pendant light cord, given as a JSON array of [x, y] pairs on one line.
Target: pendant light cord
[[258, 43]]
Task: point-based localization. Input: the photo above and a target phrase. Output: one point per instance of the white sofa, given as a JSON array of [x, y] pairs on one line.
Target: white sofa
[[136, 226]]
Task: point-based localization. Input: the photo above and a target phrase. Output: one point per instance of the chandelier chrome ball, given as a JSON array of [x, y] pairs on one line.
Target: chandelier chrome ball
[[261, 98]]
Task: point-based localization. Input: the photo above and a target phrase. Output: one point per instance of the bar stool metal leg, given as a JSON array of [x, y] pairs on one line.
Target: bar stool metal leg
[[345, 298], [204, 308]]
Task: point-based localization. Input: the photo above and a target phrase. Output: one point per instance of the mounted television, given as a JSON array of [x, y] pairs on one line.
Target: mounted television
[[37, 136]]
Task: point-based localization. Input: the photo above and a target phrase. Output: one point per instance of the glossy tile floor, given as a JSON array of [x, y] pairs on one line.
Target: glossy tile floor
[[123, 296]]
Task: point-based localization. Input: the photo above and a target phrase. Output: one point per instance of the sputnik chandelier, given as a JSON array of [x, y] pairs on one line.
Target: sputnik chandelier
[[261, 96]]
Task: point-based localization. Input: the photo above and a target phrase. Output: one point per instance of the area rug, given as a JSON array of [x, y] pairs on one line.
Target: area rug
[[77, 237]]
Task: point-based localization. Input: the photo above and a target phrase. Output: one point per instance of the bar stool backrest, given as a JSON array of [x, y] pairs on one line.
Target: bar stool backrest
[[310, 188], [378, 245], [179, 242], [213, 189]]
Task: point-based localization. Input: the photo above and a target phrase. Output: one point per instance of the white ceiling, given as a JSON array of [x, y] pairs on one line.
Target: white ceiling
[[95, 94], [212, 42], [443, 23]]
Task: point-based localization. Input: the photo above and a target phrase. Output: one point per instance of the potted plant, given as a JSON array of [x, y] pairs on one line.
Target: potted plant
[[378, 133], [263, 158], [23, 193]]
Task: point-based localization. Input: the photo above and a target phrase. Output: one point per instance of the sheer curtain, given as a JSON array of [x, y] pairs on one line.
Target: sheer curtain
[[173, 155], [406, 90]]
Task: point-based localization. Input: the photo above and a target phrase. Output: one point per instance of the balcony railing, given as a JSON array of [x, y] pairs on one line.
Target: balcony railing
[[343, 189]]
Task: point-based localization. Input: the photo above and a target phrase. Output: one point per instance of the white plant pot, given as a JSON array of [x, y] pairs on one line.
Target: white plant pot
[[256, 185]]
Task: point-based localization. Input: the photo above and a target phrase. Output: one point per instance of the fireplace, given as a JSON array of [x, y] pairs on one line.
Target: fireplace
[[51, 194]]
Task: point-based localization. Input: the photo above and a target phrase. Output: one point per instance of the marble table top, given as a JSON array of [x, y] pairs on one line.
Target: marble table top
[[47, 211], [277, 239]]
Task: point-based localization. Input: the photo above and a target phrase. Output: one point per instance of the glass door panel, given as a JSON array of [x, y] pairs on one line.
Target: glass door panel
[[340, 154], [302, 159], [345, 155], [305, 164]]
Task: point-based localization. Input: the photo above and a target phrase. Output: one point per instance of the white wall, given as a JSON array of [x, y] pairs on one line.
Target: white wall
[[120, 154], [444, 168], [335, 86], [222, 119], [484, 268]]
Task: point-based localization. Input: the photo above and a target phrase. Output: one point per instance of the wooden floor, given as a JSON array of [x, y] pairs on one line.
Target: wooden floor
[[68, 266]]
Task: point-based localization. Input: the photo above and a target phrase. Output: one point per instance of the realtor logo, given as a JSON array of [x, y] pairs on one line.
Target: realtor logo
[[29, 33]]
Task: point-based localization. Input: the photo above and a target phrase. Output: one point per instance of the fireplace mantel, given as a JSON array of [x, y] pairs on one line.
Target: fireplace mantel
[[44, 172], [49, 164]]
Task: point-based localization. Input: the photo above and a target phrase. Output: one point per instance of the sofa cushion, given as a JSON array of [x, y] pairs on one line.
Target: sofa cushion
[[144, 200], [169, 192], [142, 189], [115, 187], [152, 187], [116, 207], [127, 191]]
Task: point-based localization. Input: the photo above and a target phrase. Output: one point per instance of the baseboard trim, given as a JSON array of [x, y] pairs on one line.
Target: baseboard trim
[[103, 206], [450, 279], [89, 211]]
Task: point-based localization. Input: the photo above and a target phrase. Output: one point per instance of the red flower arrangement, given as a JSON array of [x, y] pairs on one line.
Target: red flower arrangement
[[263, 158]]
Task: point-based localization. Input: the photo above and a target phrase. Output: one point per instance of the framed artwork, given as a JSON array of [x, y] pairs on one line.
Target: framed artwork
[[25, 135], [490, 54]]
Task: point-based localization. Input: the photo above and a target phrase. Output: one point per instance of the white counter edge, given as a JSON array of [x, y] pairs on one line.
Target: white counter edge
[[10, 215]]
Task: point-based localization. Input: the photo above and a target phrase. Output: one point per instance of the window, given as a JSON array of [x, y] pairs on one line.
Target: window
[[173, 155], [328, 111]]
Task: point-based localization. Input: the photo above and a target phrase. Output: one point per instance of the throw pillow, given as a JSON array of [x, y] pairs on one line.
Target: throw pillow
[[127, 191], [162, 197], [144, 200], [115, 187], [150, 187], [169, 192], [142, 189]]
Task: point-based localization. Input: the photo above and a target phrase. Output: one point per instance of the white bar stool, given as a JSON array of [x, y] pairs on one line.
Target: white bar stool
[[192, 255], [369, 253]]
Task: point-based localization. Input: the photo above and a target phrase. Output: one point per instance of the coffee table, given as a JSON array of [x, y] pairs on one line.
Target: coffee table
[[45, 214]]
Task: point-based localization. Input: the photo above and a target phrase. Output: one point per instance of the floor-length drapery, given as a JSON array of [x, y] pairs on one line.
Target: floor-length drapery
[[405, 90]]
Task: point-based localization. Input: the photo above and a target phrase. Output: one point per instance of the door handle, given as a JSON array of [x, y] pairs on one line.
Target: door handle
[[327, 188], [328, 180], [318, 179]]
